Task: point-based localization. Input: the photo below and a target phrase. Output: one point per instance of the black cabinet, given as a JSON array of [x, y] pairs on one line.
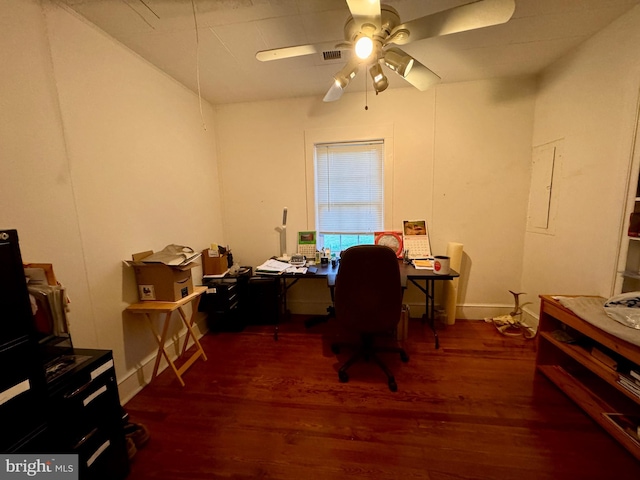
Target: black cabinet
[[14, 297], [23, 400], [86, 415], [232, 303], [224, 303]]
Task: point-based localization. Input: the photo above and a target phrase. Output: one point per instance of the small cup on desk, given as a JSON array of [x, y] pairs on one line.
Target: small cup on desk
[[441, 265]]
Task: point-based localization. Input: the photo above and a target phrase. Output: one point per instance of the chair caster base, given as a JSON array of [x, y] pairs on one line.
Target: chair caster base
[[343, 377], [392, 385]]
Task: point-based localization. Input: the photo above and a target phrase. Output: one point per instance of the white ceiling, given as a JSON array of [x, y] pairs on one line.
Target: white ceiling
[[230, 32]]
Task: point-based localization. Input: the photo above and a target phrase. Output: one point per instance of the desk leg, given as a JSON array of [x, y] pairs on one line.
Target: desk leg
[[431, 310], [429, 302], [282, 305], [161, 339], [283, 287]]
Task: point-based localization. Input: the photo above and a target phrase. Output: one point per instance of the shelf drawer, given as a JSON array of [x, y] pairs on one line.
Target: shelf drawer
[[23, 400], [101, 455], [219, 298], [91, 407]]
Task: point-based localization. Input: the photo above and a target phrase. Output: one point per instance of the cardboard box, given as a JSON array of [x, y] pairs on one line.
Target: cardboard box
[[157, 281], [213, 263]]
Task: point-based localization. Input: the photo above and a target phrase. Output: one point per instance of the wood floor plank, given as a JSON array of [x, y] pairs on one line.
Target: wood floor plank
[[473, 409]]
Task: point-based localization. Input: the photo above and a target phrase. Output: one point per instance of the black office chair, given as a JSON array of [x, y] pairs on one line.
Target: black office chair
[[368, 301]]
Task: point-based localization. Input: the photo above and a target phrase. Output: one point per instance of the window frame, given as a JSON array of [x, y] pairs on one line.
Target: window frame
[[348, 135]]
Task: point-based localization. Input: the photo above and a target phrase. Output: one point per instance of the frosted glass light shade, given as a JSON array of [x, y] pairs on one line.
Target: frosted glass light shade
[[364, 47]]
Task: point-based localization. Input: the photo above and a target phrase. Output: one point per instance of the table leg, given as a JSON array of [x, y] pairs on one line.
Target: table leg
[[431, 307], [429, 301], [161, 339], [189, 324]]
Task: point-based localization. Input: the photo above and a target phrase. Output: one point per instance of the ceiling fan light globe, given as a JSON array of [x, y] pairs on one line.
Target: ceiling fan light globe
[[380, 81], [344, 76], [381, 85], [398, 61], [364, 47]]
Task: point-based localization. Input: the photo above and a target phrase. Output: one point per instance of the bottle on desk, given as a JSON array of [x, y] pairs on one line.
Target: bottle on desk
[[324, 256]]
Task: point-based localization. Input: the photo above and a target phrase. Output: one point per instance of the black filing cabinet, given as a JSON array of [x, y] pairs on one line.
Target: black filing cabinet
[[223, 305], [23, 397], [225, 302], [87, 417]]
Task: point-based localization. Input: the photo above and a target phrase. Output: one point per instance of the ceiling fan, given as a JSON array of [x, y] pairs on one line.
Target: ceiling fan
[[373, 31]]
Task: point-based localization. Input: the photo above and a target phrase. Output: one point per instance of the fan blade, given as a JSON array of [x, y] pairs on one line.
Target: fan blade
[[479, 14], [334, 93], [365, 11], [299, 50], [421, 77]]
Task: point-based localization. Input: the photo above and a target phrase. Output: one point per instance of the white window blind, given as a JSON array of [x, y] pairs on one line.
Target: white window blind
[[349, 187]]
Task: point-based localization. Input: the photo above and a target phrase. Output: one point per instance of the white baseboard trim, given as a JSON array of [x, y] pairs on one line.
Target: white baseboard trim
[[138, 378], [467, 311], [530, 318]]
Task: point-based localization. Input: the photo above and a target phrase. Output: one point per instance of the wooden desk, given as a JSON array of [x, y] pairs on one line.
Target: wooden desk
[[407, 273], [150, 308]]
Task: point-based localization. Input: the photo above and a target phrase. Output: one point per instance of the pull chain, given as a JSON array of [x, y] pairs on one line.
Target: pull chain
[[366, 98]]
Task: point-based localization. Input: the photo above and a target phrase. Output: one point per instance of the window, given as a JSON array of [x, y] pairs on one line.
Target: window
[[355, 160], [349, 192]]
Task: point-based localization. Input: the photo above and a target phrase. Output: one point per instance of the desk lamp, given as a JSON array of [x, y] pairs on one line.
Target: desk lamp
[[283, 237]]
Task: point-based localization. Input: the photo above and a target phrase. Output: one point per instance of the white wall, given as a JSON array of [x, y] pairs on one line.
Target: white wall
[[588, 99], [461, 160], [103, 156]]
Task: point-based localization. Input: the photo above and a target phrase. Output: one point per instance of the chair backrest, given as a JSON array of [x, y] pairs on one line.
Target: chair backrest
[[368, 292]]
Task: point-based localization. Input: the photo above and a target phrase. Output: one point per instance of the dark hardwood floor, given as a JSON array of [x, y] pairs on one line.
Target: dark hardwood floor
[[474, 409]]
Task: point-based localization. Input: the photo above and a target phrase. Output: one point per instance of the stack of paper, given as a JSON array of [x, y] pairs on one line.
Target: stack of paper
[[422, 264], [173, 255], [293, 269], [276, 267], [272, 267]]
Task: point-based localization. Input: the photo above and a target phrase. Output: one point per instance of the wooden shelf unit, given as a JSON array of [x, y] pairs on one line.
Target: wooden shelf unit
[[584, 379]]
